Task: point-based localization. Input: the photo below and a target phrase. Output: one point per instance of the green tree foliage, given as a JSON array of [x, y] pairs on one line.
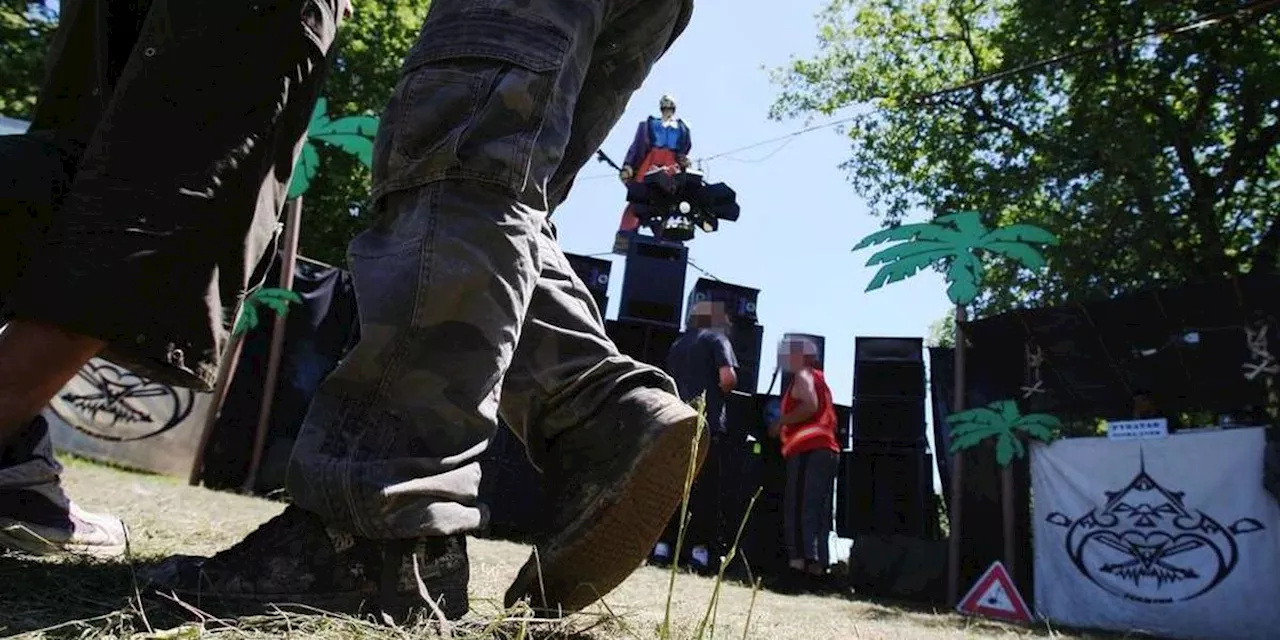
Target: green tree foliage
[[1151, 161], [370, 48], [942, 332], [26, 31]]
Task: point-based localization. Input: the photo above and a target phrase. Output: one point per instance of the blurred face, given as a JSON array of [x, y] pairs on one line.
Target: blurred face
[[709, 315], [791, 357], [796, 359], [668, 110]]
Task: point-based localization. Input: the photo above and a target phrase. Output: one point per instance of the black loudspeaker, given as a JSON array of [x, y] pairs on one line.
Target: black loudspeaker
[[739, 302], [822, 356], [889, 349], [653, 285], [844, 426], [892, 420], [886, 490], [747, 341], [899, 568], [889, 391], [646, 342], [764, 545], [594, 273]]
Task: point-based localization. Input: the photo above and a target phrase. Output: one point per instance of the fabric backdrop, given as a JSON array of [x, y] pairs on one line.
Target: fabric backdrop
[[1173, 536]]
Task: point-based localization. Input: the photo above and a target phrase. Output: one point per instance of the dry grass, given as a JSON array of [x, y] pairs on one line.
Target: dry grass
[[61, 599]]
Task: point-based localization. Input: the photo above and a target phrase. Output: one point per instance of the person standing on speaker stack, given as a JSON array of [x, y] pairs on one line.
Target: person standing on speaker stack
[[807, 429], [469, 309], [662, 143], [702, 361]]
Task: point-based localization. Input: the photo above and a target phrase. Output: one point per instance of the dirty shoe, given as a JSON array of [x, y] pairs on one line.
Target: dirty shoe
[[47, 523], [295, 559], [612, 485]]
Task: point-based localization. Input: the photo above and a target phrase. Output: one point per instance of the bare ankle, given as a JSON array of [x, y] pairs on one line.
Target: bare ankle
[[36, 360]]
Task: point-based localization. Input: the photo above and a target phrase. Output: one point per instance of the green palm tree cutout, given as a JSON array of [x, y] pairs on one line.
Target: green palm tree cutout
[[956, 238], [352, 134], [277, 299], [1003, 421]]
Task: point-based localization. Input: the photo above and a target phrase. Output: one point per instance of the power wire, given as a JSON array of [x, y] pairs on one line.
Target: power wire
[[688, 261], [1259, 7], [1200, 22], [704, 272]]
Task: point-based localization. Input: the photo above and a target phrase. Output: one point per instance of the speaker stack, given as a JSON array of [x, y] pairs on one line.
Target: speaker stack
[[652, 300], [647, 342], [594, 273], [886, 476], [653, 285]]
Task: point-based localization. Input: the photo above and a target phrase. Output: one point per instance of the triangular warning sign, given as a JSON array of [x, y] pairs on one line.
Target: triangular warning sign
[[994, 596]]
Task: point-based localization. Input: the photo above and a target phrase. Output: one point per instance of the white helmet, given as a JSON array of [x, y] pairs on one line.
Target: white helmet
[[667, 101]]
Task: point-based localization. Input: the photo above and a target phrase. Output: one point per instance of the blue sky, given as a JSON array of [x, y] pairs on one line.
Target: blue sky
[[800, 216]]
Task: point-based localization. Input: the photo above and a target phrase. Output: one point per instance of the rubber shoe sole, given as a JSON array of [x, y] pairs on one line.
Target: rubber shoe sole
[[620, 535]]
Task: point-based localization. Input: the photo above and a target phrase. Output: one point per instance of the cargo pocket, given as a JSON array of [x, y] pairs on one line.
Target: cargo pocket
[[475, 101]]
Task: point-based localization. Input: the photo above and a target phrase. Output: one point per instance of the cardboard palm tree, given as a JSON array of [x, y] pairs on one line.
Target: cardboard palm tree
[[1002, 422], [959, 242], [350, 134]]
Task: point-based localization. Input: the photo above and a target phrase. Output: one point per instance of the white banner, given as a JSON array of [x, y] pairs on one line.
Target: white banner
[[1174, 536], [109, 413]]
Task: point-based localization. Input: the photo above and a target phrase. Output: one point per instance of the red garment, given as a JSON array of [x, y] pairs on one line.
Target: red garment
[[664, 159], [819, 431]]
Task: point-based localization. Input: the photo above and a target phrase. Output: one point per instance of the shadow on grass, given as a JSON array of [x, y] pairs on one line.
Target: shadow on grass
[[937, 616], [89, 599], [68, 598]]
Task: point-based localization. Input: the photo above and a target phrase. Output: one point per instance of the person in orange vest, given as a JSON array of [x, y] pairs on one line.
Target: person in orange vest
[[661, 143], [807, 430]]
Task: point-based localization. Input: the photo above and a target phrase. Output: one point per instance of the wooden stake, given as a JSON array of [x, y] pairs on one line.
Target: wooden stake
[[226, 373], [1006, 508], [957, 470], [293, 220]]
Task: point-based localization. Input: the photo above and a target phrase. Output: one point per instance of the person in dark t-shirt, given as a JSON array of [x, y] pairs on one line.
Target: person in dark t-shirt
[[702, 362]]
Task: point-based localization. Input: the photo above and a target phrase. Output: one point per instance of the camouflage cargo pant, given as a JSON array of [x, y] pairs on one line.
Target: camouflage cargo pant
[[468, 307]]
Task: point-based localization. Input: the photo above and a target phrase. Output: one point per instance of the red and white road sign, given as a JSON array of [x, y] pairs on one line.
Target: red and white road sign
[[995, 596]]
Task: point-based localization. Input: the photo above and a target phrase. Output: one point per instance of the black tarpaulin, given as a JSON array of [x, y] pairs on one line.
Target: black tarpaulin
[[1188, 347]]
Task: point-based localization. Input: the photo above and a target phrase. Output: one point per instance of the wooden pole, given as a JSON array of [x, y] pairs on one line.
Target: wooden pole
[[293, 220], [226, 373], [957, 471], [1006, 508]]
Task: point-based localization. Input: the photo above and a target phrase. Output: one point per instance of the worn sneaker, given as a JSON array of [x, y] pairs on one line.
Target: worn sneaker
[[294, 559], [612, 486], [47, 523]]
